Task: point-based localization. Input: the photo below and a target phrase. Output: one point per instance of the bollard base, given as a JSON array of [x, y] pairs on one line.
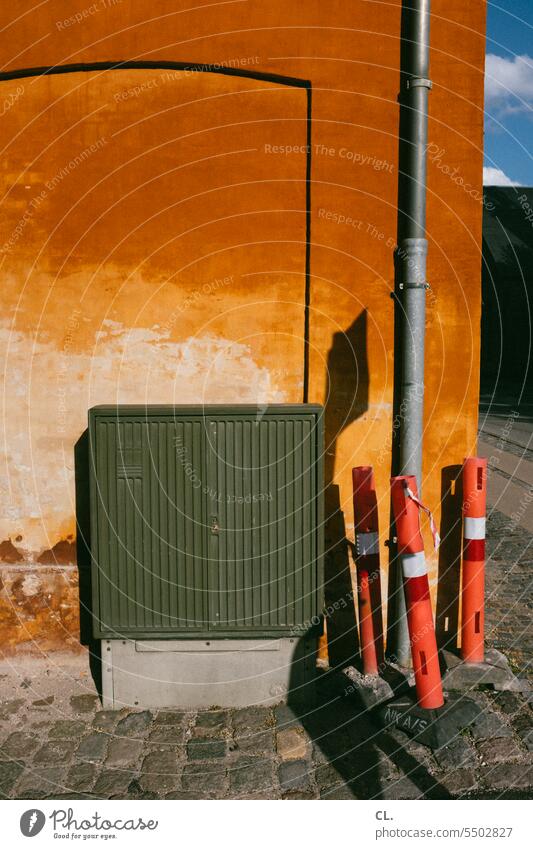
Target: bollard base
[[494, 671], [373, 690], [433, 728]]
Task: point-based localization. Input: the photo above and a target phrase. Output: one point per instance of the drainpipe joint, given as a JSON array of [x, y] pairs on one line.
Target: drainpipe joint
[[418, 82], [413, 256]]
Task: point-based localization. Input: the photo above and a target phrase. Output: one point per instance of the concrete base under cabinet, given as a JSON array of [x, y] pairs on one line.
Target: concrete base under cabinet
[[206, 673]]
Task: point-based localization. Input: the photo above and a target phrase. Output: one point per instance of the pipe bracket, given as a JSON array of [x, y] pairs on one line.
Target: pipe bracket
[[417, 82], [412, 255]]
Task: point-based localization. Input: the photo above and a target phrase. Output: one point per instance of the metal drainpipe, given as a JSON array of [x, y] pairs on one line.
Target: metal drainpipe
[[412, 253]]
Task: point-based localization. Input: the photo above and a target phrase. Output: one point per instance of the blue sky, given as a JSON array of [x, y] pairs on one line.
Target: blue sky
[[509, 93]]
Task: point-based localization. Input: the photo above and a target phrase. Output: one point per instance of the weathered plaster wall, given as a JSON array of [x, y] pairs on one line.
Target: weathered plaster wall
[[154, 240]]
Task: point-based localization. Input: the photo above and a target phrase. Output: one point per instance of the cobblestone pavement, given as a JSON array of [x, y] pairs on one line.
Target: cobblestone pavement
[[509, 597], [64, 746], [57, 742]]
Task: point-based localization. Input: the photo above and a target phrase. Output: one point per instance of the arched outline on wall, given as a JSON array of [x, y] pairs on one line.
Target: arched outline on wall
[[21, 73]]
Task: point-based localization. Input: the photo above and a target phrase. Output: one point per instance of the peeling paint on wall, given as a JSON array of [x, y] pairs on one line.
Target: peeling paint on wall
[[39, 610], [127, 366]]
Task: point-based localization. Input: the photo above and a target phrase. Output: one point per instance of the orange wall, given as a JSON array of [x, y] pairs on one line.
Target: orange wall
[[153, 230]]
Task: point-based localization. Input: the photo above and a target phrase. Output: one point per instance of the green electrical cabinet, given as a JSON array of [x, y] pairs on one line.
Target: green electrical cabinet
[[206, 521]]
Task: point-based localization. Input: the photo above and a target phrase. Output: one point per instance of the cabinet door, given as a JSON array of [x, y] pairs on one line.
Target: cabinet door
[[261, 501], [150, 526]]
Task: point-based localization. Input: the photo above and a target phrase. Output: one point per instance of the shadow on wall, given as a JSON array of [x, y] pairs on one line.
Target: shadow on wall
[[354, 758], [83, 551], [347, 398], [347, 382], [449, 573]]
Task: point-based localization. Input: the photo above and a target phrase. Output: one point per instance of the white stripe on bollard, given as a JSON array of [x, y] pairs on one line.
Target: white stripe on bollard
[[414, 565], [474, 528]]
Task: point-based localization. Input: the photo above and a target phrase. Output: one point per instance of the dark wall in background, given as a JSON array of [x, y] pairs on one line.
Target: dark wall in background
[[506, 323]]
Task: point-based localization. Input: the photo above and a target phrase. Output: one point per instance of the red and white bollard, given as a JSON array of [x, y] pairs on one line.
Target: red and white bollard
[[368, 569], [406, 506], [430, 720], [478, 666], [473, 578]]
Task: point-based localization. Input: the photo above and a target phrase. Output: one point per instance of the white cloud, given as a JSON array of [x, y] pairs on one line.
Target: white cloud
[[508, 83], [496, 177]]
